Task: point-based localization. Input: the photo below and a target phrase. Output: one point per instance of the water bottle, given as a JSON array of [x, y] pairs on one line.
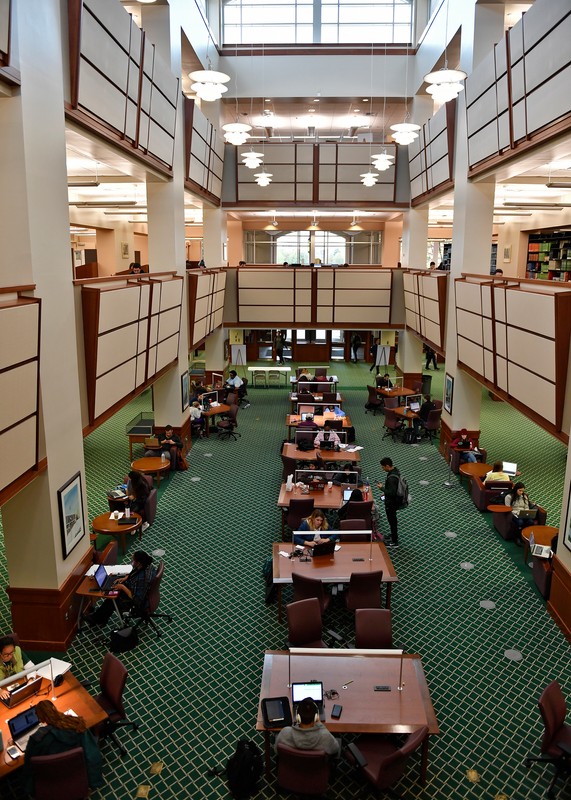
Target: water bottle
[[366, 488], [163, 456]]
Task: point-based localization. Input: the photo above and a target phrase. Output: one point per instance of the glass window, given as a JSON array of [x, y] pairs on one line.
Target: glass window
[[337, 337], [320, 337]]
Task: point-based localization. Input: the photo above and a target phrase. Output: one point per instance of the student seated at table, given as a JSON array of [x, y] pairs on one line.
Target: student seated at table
[[133, 589], [11, 661], [309, 733], [138, 490], [327, 435], [497, 473], [384, 382], [423, 413], [348, 476], [519, 500], [464, 443], [197, 390], [313, 474], [196, 418], [304, 375], [233, 381], [307, 424], [170, 444], [356, 497], [58, 733], [315, 525]]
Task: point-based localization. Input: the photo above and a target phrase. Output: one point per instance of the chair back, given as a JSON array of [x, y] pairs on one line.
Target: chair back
[[231, 398], [321, 372], [364, 590], [433, 420], [392, 422], [391, 402], [437, 404], [299, 508], [112, 682], [553, 711], [373, 628], [154, 593], [360, 509], [289, 465], [304, 588], [304, 436], [302, 772], [335, 424], [329, 397], [150, 509], [373, 398], [62, 775], [304, 623], [107, 556], [392, 767], [354, 525], [417, 387]]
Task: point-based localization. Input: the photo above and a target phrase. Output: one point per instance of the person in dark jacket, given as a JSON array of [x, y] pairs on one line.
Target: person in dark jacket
[[58, 733], [391, 500], [132, 590], [138, 490]]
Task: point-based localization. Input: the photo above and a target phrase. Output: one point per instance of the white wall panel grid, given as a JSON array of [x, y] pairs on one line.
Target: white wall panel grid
[[20, 322], [206, 295], [430, 167], [425, 296]]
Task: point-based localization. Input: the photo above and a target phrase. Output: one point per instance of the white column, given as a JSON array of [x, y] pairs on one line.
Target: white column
[[415, 237], [214, 236], [34, 231], [214, 350]]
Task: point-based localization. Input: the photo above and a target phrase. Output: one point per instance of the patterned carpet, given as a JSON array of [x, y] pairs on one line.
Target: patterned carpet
[[195, 690]]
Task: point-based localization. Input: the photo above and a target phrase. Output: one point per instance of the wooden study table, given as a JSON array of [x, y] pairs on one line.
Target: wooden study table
[[328, 385], [211, 414], [335, 568], [316, 400], [474, 469], [152, 465], [323, 498], [403, 412], [70, 694], [291, 451], [396, 391], [88, 589], [292, 421], [364, 710], [108, 526]]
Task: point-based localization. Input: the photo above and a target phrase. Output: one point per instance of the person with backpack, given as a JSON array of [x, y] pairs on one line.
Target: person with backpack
[[394, 489]]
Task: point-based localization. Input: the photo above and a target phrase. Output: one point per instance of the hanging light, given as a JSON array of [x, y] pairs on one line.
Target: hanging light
[[382, 161], [263, 178], [405, 132], [369, 178], [236, 132], [209, 83], [445, 84], [251, 159]]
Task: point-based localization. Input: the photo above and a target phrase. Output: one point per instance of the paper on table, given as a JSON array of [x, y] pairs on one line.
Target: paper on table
[[115, 569], [354, 449], [58, 667]]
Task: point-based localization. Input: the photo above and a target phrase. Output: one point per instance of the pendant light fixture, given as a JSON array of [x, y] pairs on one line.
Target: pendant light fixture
[[370, 178], [445, 84], [236, 132], [263, 178], [405, 132], [251, 159], [383, 161], [208, 84]]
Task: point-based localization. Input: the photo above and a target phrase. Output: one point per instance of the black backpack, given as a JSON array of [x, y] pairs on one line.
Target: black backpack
[[409, 436], [244, 770]]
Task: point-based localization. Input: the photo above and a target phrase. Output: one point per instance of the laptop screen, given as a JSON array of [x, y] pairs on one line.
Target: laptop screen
[[415, 407], [347, 494], [510, 468], [299, 691], [23, 722], [101, 575]]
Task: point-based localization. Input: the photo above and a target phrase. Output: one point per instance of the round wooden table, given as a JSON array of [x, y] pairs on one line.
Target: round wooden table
[[108, 526], [152, 465], [542, 534], [474, 469]]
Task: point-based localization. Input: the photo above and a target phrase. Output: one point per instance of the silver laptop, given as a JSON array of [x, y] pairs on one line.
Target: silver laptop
[[22, 692], [510, 468], [415, 407], [527, 513]]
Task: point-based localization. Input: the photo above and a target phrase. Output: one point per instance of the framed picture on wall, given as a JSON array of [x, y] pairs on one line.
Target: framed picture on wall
[[184, 390], [567, 537], [71, 517], [448, 392]]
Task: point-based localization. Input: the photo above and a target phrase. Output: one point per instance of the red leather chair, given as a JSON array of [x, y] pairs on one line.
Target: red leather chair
[[364, 590], [374, 403], [483, 494], [359, 509], [62, 775], [556, 741], [354, 525], [505, 524], [393, 424], [305, 588], [299, 509], [373, 628], [302, 772], [112, 682], [382, 762], [304, 623]]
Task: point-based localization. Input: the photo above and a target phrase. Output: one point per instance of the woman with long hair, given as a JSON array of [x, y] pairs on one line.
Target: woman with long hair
[[315, 525], [138, 490], [518, 500], [58, 733]]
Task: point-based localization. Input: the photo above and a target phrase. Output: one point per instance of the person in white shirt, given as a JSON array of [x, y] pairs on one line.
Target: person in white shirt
[[326, 435], [233, 381], [196, 418]]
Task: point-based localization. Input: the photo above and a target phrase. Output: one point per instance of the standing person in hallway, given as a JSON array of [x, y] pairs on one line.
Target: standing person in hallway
[[355, 345], [279, 344], [430, 357], [374, 350], [392, 504]]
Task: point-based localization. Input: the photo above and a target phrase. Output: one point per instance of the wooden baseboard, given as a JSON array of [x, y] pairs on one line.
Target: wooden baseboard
[[559, 605]]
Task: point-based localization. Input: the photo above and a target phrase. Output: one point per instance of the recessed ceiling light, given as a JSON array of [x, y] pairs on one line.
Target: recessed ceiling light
[[365, 100], [267, 100], [316, 100]]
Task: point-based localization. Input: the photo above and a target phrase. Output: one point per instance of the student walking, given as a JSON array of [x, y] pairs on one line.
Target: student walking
[[395, 496]]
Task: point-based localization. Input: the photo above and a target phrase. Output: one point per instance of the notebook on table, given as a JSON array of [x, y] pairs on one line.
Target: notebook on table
[[22, 692], [313, 689], [22, 726]]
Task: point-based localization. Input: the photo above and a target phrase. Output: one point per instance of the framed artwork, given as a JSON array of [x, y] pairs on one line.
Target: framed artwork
[[507, 254], [124, 249], [71, 518], [184, 390], [448, 392], [567, 536]]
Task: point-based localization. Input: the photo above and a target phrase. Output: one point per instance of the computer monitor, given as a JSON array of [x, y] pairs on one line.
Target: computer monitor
[[413, 400], [305, 409], [217, 379], [209, 397]]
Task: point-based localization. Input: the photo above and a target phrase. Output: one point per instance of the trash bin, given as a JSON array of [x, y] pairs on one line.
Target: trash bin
[[426, 384]]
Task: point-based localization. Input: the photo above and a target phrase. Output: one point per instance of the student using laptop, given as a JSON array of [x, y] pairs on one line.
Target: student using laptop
[[384, 382], [315, 525], [138, 491], [11, 661], [519, 501], [58, 733], [307, 424], [133, 590], [309, 733], [420, 420], [497, 473], [326, 435]]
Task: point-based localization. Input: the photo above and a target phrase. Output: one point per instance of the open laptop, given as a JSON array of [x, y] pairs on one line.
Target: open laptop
[[324, 549], [103, 579], [415, 407], [510, 468], [527, 513], [326, 444], [22, 726], [22, 692], [313, 689]]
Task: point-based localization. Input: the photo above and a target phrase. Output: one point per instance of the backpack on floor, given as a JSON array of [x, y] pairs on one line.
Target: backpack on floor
[[409, 436], [244, 770]]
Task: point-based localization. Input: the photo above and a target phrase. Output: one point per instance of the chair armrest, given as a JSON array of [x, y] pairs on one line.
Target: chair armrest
[[356, 755], [564, 747]]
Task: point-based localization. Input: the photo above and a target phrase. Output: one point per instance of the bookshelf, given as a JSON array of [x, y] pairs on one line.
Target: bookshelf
[[549, 256]]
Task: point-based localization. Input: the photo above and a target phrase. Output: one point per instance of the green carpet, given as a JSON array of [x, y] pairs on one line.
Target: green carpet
[[195, 691]]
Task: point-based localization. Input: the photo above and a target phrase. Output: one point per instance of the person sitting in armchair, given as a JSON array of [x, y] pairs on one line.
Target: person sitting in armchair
[[463, 442]]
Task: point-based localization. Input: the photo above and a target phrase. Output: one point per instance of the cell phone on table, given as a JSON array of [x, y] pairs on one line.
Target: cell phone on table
[[336, 711], [13, 752]]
